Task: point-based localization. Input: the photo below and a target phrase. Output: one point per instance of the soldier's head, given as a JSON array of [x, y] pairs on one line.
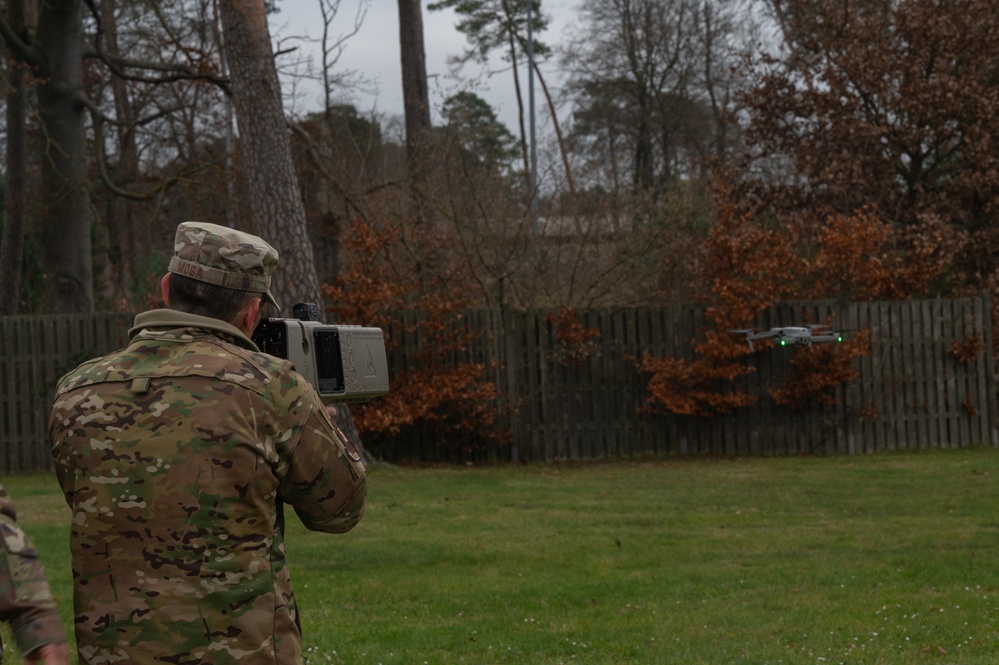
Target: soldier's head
[[219, 272]]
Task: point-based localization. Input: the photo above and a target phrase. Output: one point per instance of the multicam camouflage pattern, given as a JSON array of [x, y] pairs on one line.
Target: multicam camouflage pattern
[[176, 455], [25, 600], [224, 257]]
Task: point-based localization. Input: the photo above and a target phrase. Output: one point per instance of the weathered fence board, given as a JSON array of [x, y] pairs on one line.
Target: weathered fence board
[[912, 391], [36, 352]]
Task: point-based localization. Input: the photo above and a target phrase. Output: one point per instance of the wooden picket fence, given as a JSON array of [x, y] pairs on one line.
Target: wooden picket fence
[[36, 351], [913, 391]]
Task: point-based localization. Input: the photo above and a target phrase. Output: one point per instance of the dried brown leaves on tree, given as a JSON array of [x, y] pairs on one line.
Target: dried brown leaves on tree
[[438, 390], [872, 139], [891, 104], [747, 266], [892, 108], [574, 342], [750, 264]]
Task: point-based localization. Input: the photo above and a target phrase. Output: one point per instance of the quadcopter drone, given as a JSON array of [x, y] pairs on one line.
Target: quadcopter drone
[[791, 335]]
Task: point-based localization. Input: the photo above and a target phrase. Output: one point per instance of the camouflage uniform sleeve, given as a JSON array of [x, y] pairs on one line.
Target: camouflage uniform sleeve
[[324, 477], [25, 600]]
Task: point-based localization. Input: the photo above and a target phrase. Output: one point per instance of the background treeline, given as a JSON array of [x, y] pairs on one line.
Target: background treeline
[[730, 154]]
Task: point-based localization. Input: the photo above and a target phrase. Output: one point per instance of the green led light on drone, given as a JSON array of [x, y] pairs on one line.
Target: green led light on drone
[[783, 342]]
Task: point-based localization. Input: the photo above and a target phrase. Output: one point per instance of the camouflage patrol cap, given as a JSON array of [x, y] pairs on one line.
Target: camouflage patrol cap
[[224, 257]]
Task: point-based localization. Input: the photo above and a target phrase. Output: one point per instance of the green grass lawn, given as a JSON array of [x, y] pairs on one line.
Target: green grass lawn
[[875, 559]]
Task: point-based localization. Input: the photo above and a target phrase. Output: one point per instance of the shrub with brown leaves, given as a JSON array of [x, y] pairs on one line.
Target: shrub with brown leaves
[[454, 401]]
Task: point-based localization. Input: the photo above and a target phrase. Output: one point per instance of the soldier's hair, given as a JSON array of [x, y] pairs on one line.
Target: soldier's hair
[[196, 297]]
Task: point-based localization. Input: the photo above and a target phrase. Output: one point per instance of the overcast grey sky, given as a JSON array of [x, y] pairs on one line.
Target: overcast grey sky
[[374, 52]]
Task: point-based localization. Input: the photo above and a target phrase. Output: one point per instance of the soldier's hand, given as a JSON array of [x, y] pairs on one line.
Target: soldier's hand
[[56, 653], [331, 410]]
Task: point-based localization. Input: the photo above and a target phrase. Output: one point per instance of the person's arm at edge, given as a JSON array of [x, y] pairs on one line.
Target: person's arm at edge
[[27, 606], [325, 480]]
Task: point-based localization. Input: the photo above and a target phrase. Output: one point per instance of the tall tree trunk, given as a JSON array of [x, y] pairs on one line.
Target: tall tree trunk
[[12, 241], [128, 233], [265, 146], [416, 104], [511, 45], [66, 218]]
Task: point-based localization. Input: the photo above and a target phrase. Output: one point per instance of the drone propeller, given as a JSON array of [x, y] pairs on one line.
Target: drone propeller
[[748, 333]]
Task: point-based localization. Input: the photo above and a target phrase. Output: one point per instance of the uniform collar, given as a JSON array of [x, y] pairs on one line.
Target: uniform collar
[[172, 319]]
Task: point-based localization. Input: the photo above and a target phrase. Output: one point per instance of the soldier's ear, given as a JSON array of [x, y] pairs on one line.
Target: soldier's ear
[[249, 316], [165, 289]]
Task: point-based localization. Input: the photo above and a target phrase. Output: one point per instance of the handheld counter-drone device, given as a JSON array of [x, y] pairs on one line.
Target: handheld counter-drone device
[[793, 335], [345, 363]]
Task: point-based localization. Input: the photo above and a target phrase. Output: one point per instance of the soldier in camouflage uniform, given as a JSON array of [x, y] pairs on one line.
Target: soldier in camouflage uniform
[[25, 600], [176, 455]]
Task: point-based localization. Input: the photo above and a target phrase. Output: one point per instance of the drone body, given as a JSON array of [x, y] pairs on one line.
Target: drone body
[[791, 335]]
